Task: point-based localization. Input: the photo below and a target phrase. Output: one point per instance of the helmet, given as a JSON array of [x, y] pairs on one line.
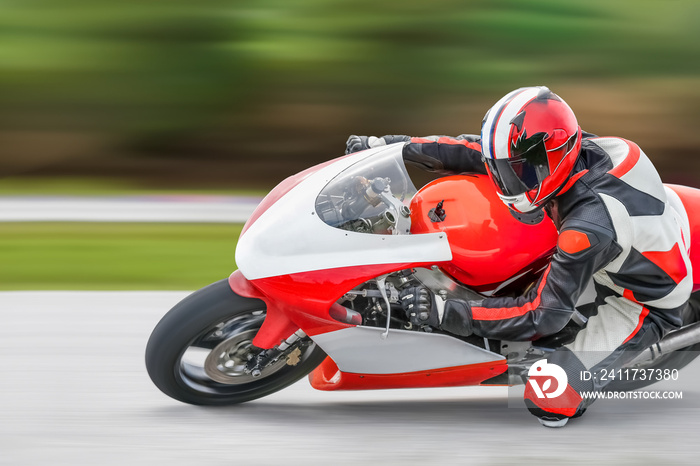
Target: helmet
[[530, 141]]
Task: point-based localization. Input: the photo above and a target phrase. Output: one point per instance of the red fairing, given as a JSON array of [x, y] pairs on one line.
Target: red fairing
[[241, 286], [489, 245], [328, 377], [283, 188], [286, 313], [691, 201]]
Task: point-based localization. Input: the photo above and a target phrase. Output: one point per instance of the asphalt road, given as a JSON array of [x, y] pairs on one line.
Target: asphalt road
[[74, 391]]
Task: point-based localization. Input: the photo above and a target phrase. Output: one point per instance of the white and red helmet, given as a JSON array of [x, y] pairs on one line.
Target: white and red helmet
[[530, 141]]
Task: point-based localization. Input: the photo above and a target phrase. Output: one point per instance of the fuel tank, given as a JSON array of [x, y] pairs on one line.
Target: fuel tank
[[490, 247]]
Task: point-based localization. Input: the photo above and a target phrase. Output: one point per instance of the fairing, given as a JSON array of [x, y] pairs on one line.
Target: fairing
[[327, 232], [291, 252], [290, 238], [329, 378]]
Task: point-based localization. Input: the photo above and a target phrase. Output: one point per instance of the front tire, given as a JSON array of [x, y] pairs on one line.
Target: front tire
[[198, 351]]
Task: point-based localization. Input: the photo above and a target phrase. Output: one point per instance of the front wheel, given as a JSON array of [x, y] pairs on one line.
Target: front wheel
[[199, 350]]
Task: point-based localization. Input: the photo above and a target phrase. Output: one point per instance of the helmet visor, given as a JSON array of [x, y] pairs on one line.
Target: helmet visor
[[522, 172]]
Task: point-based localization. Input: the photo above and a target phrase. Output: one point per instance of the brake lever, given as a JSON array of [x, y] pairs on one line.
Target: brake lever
[[381, 284]]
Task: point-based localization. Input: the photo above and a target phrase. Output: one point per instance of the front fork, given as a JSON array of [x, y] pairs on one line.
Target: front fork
[[289, 348], [276, 328]]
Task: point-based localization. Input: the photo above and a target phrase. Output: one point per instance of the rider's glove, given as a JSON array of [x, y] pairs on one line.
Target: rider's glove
[[418, 303], [358, 143], [421, 309]]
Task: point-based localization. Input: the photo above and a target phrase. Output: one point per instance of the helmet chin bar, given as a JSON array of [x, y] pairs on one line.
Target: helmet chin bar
[[519, 203]]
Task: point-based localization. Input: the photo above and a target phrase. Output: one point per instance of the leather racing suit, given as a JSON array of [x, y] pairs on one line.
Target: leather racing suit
[[619, 227]]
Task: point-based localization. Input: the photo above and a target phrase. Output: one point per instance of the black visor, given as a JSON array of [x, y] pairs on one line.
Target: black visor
[[520, 174], [528, 165]]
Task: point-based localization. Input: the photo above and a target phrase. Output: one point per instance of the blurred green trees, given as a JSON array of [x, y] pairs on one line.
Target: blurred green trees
[[249, 91]]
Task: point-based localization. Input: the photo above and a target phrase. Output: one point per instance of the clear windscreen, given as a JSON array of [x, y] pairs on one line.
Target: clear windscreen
[[371, 196]]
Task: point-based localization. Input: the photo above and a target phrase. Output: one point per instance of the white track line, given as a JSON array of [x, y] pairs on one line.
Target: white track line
[[204, 209]]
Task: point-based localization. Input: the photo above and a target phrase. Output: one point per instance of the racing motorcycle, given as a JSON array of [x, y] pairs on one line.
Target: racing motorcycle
[[321, 263]]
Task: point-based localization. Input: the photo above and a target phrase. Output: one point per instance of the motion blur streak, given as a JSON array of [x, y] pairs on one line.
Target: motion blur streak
[[75, 391], [255, 90]]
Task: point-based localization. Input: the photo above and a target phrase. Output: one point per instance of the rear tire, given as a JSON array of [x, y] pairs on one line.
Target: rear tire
[[197, 352]]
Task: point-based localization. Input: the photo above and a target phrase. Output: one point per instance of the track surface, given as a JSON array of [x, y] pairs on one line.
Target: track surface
[[74, 391]]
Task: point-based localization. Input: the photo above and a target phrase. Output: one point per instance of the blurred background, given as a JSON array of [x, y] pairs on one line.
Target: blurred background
[[231, 97], [211, 99]]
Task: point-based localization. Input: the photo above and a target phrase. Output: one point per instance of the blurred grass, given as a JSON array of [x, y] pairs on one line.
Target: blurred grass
[[115, 256], [222, 97], [273, 86]]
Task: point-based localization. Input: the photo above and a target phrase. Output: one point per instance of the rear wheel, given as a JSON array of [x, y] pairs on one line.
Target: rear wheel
[[198, 352]]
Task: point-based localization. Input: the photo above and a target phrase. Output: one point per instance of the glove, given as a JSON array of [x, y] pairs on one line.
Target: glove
[[418, 303], [358, 143]]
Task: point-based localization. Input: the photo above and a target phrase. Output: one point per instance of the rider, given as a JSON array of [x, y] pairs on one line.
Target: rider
[[616, 222]]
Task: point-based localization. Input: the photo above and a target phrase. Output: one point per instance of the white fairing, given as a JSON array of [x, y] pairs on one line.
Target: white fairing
[[362, 350], [290, 238]]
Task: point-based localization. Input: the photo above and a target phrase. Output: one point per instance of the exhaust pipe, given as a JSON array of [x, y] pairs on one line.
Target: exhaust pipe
[[687, 336]]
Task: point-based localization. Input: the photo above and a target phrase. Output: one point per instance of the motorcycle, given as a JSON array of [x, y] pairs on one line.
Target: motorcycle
[[322, 261]]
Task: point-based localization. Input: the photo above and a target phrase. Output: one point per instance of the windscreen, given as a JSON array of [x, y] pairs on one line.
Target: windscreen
[[371, 196]]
